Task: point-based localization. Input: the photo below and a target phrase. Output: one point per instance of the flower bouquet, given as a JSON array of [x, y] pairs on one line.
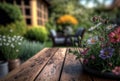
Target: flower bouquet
[[101, 53]]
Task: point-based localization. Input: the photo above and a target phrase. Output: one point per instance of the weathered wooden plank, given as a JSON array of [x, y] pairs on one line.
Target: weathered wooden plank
[[72, 70], [52, 70], [30, 69]]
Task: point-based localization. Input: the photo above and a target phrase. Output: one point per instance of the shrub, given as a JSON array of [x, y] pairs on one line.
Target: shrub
[[12, 22], [29, 49], [9, 13], [50, 25], [16, 28], [37, 34]]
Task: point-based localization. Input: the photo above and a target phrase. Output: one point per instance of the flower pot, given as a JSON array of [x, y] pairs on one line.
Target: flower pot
[[14, 64], [3, 68], [100, 74]]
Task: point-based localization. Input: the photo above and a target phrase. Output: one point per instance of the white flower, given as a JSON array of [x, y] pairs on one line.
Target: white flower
[[17, 50], [16, 41], [92, 40], [19, 43], [7, 44], [12, 46], [4, 36], [15, 36], [0, 44], [94, 27], [9, 41], [21, 39], [4, 43], [4, 40], [111, 26], [9, 37], [11, 30], [13, 39], [18, 37]]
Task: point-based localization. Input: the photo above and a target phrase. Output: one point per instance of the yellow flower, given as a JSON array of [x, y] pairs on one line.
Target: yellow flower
[[67, 19]]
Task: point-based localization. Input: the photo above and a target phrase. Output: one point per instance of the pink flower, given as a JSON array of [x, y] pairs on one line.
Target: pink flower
[[92, 57], [115, 35], [110, 64], [85, 61], [116, 70], [102, 45], [84, 52], [101, 39]]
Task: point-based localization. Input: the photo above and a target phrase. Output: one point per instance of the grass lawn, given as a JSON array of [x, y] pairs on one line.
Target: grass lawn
[[48, 43]]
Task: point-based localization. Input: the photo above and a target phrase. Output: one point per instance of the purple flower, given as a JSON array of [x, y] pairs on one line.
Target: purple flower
[[106, 53]]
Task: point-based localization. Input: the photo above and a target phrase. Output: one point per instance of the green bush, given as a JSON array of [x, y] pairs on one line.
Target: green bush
[[12, 22], [16, 28], [51, 24], [28, 49], [37, 34], [9, 13]]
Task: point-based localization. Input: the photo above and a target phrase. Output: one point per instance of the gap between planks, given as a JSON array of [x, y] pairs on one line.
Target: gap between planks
[[72, 69], [51, 71]]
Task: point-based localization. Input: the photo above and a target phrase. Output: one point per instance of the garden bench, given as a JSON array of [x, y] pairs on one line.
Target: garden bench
[[51, 64]]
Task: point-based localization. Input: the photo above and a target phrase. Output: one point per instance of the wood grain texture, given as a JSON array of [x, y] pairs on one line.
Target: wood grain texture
[[51, 64], [72, 70], [52, 70], [30, 69]]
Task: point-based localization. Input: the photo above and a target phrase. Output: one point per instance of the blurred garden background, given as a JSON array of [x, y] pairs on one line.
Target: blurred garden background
[[34, 19]]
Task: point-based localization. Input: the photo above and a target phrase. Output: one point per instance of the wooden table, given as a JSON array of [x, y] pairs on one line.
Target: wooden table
[[51, 64]]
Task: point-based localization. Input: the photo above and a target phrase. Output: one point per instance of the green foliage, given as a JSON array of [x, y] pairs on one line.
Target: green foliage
[[12, 22], [16, 28], [74, 8], [95, 50], [10, 46], [9, 13], [67, 6], [37, 33], [101, 51], [29, 49], [48, 43], [50, 25]]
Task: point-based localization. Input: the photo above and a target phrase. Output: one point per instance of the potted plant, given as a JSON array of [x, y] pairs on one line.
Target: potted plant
[[67, 21], [10, 48], [3, 66], [101, 53]]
